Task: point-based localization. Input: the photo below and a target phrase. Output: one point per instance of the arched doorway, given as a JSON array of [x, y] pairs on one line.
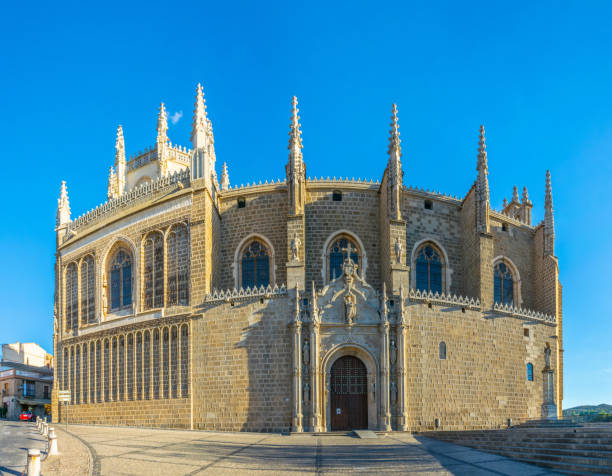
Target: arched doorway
[[348, 394]]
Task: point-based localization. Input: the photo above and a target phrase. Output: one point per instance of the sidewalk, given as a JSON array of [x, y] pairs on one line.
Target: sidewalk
[[74, 459], [101, 450]]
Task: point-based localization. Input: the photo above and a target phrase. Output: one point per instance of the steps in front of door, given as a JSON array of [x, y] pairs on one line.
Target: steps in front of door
[[365, 434]]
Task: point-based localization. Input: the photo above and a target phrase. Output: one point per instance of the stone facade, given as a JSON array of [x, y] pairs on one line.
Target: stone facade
[[184, 303]]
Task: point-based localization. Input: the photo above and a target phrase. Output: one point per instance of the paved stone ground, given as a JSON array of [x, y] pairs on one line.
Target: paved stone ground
[[74, 459], [16, 438], [133, 451]]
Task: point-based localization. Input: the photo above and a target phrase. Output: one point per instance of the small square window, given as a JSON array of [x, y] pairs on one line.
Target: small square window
[[337, 196], [526, 332], [504, 227], [428, 205], [241, 203]]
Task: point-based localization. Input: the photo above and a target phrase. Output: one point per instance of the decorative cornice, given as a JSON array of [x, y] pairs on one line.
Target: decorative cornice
[[235, 294], [522, 313], [444, 299]]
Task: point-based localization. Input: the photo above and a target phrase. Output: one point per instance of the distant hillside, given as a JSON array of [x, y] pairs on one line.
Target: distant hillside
[[585, 413]]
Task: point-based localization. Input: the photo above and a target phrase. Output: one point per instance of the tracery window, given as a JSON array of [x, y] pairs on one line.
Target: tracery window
[[530, 372], [503, 284], [338, 251], [72, 297], [255, 265], [429, 266], [88, 285], [120, 271], [178, 266], [184, 361], [154, 271]]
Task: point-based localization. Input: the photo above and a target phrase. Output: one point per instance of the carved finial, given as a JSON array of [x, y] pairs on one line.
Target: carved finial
[[549, 220], [297, 303], [112, 184], [314, 305], [525, 198], [162, 125], [515, 195], [295, 133], [120, 161], [394, 134], [505, 204], [63, 206], [482, 185], [224, 178], [200, 124]]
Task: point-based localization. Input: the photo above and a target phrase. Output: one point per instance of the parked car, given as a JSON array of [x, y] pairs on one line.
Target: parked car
[[26, 416]]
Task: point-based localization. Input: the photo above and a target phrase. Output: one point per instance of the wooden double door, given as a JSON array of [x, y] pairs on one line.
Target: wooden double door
[[348, 394]]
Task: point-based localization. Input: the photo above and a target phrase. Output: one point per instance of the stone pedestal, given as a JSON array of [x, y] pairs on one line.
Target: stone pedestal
[[400, 275], [296, 275], [549, 408]]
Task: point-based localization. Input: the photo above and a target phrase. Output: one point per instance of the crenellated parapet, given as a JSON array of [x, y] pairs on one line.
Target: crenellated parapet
[[443, 299], [134, 196], [237, 294], [521, 313]]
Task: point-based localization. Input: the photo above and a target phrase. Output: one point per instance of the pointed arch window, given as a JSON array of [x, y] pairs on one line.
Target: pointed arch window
[[178, 266], [255, 265], [339, 249], [442, 350], [72, 297], [429, 269], [88, 286], [120, 273], [154, 271], [503, 284]]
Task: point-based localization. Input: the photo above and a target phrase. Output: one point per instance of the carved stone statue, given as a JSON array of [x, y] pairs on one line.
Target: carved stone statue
[[547, 352], [306, 392], [393, 352], [295, 247], [398, 251], [306, 352], [393, 392], [350, 308]]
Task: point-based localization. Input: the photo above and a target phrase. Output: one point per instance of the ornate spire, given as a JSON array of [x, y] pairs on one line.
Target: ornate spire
[[162, 125], [162, 139], [515, 196], [482, 185], [200, 124], [224, 178], [295, 132], [394, 134], [525, 198], [394, 168], [112, 184], [295, 169], [120, 161], [63, 206], [549, 220], [314, 306]]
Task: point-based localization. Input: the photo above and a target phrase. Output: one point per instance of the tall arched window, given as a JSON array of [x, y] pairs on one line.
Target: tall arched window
[[442, 350], [338, 251], [130, 367], [184, 361], [98, 373], [65, 382], [107, 375], [178, 266], [85, 374], [88, 285], [92, 372], [429, 266], [146, 352], [139, 366], [530, 372], [120, 273], [154, 271], [72, 297], [255, 265], [503, 284]]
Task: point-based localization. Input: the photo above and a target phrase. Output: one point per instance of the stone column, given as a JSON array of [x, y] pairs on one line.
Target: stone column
[[402, 407], [385, 414], [297, 377], [315, 418], [549, 408]]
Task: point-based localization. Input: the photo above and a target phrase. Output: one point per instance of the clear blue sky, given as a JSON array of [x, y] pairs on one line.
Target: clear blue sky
[[538, 76]]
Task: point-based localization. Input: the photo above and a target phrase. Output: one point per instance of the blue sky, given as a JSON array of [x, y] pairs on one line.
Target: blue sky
[[539, 77]]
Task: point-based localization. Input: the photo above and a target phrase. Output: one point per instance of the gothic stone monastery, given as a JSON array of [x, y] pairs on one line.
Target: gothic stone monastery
[[302, 305]]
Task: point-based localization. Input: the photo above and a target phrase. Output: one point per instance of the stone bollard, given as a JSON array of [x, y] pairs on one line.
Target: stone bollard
[[45, 429], [52, 443], [33, 465]]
